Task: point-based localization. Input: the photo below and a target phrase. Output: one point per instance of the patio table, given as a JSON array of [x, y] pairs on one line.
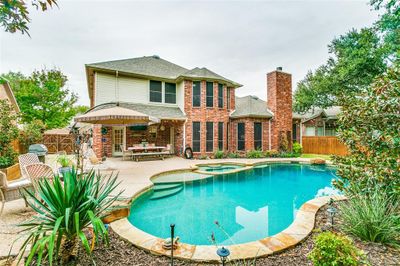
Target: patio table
[[145, 149]]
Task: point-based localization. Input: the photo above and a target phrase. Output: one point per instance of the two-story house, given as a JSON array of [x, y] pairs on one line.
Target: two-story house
[[194, 108]]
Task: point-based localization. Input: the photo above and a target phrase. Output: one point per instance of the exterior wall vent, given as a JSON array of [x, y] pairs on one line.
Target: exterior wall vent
[[279, 68]]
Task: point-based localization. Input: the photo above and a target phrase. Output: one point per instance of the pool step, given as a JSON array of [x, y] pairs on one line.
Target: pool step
[[166, 193], [159, 187]]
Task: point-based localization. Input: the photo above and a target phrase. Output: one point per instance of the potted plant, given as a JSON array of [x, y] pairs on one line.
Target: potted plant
[[65, 163]]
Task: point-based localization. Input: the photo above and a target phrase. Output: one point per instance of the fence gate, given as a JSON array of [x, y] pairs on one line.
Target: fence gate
[[59, 142]]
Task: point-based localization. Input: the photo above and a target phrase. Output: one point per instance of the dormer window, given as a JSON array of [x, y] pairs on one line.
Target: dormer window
[[155, 91], [170, 92]]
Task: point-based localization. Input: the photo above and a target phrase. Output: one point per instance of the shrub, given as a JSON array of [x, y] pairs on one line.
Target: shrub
[[8, 133], [255, 154], [331, 249], [233, 155], [63, 211], [64, 161], [372, 217], [271, 153], [31, 133], [219, 154], [297, 148]]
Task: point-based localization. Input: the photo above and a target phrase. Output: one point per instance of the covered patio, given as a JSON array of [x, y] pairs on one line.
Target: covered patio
[[160, 126]]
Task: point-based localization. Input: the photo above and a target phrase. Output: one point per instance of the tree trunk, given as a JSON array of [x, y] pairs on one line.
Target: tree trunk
[[69, 250]]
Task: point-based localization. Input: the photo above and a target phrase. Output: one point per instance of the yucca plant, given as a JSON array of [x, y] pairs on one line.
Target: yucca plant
[[64, 209]]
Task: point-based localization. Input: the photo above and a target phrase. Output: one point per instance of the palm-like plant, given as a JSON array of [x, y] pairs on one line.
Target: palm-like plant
[[64, 210]]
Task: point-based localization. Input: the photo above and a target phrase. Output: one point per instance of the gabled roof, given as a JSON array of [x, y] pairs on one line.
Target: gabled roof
[[152, 66], [157, 111], [6, 93], [251, 106], [204, 73]]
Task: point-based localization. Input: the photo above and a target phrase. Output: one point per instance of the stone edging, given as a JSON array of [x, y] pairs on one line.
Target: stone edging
[[300, 228]]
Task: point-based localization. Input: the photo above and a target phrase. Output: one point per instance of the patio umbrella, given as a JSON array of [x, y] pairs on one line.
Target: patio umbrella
[[115, 115]]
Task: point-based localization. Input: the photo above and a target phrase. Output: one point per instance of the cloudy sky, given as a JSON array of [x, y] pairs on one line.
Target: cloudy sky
[[241, 40]]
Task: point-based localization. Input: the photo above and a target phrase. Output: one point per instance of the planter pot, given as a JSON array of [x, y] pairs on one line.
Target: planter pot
[[63, 170], [13, 172]]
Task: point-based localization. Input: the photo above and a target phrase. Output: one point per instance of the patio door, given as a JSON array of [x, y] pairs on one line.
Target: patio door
[[118, 139]]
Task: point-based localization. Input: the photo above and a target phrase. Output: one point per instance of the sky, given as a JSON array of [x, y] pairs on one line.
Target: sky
[[240, 40]]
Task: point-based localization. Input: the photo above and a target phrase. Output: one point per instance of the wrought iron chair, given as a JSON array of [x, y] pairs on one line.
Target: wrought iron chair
[[10, 191], [125, 152], [27, 159]]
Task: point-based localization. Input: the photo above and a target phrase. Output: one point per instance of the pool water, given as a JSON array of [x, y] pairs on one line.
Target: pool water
[[249, 205]]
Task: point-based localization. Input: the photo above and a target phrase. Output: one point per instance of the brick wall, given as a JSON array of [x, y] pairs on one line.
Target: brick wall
[[100, 147], [279, 101], [249, 133], [205, 114]]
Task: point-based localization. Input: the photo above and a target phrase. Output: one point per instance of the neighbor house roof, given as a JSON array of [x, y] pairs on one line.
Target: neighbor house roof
[[251, 106], [6, 93], [330, 113], [157, 111], [152, 67]]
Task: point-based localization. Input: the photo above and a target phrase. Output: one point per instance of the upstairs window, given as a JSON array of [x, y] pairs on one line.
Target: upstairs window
[[209, 136], [155, 91], [196, 94], [220, 96], [257, 136], [196, 137], [210, 94], [170, 92], [228, 98]]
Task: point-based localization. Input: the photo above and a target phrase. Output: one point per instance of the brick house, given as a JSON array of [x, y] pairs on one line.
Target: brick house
[[194, 108]]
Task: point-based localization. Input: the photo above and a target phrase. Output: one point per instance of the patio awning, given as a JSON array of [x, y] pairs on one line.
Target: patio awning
[[115, 115]]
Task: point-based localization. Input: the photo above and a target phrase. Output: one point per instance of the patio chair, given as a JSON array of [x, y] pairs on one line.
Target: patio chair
[[10, 191], [37, 171], [27, 159], [125, 152], [167, 150]]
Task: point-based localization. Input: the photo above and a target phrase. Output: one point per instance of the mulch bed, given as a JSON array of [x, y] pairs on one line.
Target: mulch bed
[[121, 252]]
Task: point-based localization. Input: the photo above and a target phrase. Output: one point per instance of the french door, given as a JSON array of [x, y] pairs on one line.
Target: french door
[[118, 139]]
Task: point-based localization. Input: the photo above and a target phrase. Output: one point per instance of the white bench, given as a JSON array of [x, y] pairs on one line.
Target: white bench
[[136, 156]]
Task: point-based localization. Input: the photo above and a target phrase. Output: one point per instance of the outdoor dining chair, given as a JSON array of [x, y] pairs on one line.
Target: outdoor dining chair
[[125, 152], [37, 171], [27, 159], [10, 191]]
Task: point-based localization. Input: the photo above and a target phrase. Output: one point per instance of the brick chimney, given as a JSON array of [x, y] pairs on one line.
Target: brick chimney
[[279, 101]]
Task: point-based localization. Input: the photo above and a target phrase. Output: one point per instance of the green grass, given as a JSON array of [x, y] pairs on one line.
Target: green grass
[[315, 156]]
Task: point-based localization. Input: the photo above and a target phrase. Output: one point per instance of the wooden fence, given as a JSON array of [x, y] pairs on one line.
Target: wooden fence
[[323, 145], [59, 142]]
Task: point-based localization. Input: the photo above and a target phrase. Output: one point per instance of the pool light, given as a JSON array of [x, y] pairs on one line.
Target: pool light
[[223, 253]]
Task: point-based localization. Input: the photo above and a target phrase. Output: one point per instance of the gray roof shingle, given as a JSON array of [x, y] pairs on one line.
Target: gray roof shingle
[[147, 65], [251, 106], [154, 66], [158, 111]]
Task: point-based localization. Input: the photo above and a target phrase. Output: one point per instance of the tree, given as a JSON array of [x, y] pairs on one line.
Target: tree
[[9, 132], [370, 128], [357, 58], [43, 96], [14, 14]]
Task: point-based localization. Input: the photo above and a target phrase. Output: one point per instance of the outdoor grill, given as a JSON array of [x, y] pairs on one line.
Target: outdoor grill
[[40, 150]]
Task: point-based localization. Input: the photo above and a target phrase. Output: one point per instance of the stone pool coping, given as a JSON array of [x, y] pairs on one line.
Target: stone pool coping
[[300, 228]]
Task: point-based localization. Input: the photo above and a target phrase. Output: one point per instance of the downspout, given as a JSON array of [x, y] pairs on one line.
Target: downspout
[[269, 134]]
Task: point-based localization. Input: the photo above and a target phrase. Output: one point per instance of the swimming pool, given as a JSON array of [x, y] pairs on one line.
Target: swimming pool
[[249, 205]]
